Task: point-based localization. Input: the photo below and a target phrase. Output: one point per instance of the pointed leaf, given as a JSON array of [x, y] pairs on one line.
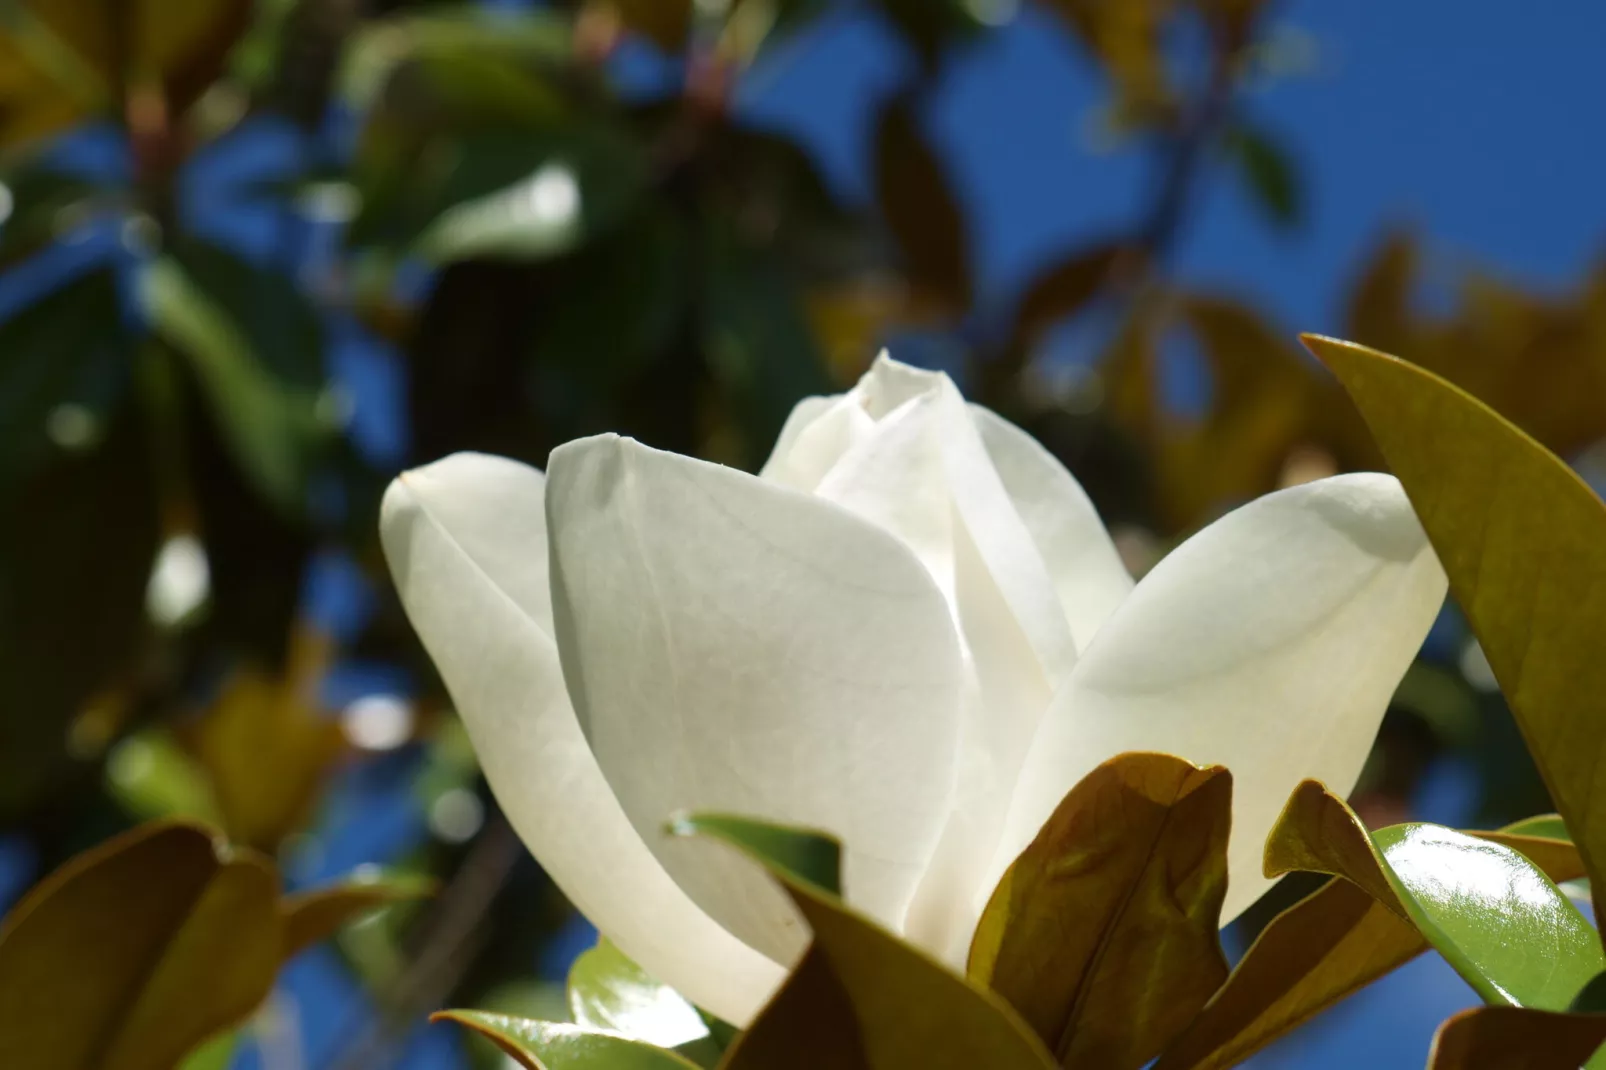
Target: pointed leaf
[[610, 992], [313, 916], [921, 209], [1103, 933], [798, 855], [1504, 926], [1523, 540], [861, 999], [134, 952], [1516, 1038], [1330, 944], [559, 1046]]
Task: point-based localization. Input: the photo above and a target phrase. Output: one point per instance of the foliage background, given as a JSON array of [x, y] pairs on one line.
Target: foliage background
[[231, 313]]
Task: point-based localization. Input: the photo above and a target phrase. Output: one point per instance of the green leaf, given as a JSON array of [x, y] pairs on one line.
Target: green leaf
[[1494, 916], [861, 999], [1523, 540], [1104, 932], [1269, 173], [1330, 944], [313, 916], [1540, 826], [559, 1046], [798, 856], [922, 210], [758, 343], [44, 205], [269, 425], [608, 991], [1516, 1038], [134, 952], [64, 363]]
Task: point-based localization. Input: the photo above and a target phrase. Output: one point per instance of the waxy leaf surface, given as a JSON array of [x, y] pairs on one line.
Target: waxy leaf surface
[[1103, 934]]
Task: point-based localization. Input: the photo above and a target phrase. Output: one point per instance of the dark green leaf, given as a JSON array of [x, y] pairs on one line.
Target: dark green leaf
[[1591, 999], [1268, 172], [1103, 933], [559, 1046], [1523, 540], [795, 855], [133, 953]]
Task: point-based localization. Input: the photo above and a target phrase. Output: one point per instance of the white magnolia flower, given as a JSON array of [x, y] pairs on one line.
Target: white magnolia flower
[[911, 630]]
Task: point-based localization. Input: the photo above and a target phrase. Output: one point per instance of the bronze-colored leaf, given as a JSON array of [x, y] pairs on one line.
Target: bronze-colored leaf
[[1104, 932], [664, 22], [862, 999], [1523, 540], [922, 210], [1516, 1038], [1065, 288], [315, 915], [136, 951], [1332, 943]]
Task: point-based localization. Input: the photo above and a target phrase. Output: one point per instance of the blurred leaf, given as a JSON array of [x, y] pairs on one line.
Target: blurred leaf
[[1126, 39], [1379, 310], [215, 1054], [930, 25], [269, 423], [64, 363], [796, 856], [665, 22], [1523, 540], [1103, 933], [155, 778], [1063, 290], [46, 204], [1516, 1038], [312, 916], [756, 338], [920, 207], [559, 1046], [1541, 826], [862, 999], [1327, 946], [281, 324], [268, 745], [72, 607], [1490, 912], [608, 991], [133, 953], [1268, 172], [64, 60], [1591, 999]]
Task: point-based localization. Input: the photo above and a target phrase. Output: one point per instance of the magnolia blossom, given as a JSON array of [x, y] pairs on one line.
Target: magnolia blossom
[[910, 630]]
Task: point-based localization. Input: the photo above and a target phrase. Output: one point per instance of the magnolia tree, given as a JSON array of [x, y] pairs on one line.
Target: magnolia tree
[[880, 759]]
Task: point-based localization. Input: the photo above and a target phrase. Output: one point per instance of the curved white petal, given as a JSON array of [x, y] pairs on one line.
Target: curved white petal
[[1087, 571], [921, 471], [1271, 643], [466, 542], [735, 645]]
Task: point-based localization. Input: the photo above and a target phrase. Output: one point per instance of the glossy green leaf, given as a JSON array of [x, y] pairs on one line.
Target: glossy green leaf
[[1516, 1038], [1330, 944], [267, 423], [1523, 540], [1494, 916], [1103, 934], [134, 952], [610, 992], [862, 999], [560, 1046], [315, 915]]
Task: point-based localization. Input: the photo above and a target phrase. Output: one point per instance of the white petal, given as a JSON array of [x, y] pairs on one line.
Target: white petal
[[922, 472], [466, 542], [1271, 643], [1087, 571], [735, 645]]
